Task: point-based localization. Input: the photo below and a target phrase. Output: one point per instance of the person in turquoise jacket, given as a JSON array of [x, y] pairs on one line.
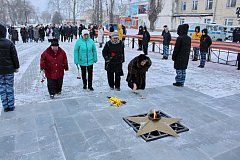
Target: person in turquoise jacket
[[85, 55]]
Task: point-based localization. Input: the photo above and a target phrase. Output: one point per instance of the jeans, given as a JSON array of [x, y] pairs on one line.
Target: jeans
[[196, 52], [84, 70], [54, 85], [181, 76], [114, 81], [203, 58], [165, 51], [7, 90]]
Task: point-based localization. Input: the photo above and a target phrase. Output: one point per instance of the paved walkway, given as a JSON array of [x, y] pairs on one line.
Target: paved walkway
[[89, 128]]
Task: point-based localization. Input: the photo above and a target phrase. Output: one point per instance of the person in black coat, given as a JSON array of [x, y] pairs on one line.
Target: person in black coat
[[69, 31], [30, 33], [92, 32], [205, 43], [24, 34], [166, 42], [113, 53], [236, 39], [14, 36], [8, 65], [140, 32], [146, 40], [181, 54], [81, 27], [111, 28], [137, 69], [41, 33]]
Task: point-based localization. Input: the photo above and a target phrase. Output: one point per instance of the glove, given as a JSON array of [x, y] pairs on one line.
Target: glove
[[16, 70]]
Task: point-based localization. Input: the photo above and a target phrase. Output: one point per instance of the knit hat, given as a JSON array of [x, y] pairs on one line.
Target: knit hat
[[114, 35], [85, 31], [54, 42]]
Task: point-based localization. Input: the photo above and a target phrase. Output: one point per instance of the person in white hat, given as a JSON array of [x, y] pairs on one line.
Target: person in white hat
[[85, 55], [113, 53]]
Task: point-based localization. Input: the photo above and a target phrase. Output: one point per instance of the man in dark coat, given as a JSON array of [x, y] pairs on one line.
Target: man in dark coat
[[236, 39], [146, 40], [70, 33], [24, 34], [113, 53], [181, 54], [92, 32], [140, 32], [31, 33], [166, 42], [8, 65], [137, 69], [41, 33], [111, 28], [53, 63], [80, 28], [75, 29], [14, 37], [205, 43]]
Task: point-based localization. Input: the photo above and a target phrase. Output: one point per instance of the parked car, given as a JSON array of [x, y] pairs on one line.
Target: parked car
[[215, 31]]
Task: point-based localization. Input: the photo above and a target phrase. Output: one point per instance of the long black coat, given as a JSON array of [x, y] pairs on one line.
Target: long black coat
[[8, 54], [114, 56], [146, 38], [182, 48], [236, 35], [137, 73], [14, 35]]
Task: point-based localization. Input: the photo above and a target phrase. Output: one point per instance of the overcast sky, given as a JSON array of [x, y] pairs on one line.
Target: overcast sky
[[41, 4]]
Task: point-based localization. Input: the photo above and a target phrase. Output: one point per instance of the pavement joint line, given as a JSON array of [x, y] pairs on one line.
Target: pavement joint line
[[227, 150], [59, 142]]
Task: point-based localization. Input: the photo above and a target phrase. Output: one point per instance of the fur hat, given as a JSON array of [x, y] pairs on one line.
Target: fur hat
[[54, 42]]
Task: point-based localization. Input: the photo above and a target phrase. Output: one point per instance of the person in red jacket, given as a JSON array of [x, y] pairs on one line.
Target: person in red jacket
[[53, 63]]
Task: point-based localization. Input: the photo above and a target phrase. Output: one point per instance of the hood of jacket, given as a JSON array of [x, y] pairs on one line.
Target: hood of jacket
[[205, 31], [182, 29], [197, 28], [3, 31]]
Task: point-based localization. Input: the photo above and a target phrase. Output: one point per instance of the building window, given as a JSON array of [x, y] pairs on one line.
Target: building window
[[182, 21], [195, 5], [207, 20], [231, 3], [209, 4], [228, 22], [184, 6]]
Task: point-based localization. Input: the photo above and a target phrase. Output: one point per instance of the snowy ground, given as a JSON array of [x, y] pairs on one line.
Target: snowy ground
[[216, 80]]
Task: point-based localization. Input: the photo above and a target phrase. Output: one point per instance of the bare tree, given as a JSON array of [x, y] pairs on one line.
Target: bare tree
[[19, 11], [57, 18], [156, 7], [111, 16], [46, 16], [3, 12]]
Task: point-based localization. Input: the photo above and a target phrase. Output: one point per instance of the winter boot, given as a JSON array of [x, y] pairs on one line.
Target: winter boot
[[11, 109], [51, 96], [91, 88], [178, 84], [200, 66]]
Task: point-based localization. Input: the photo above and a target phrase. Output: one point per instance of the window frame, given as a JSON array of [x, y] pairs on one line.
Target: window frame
[[195, 5], [208, 5], [182, 8], [230, 3]]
